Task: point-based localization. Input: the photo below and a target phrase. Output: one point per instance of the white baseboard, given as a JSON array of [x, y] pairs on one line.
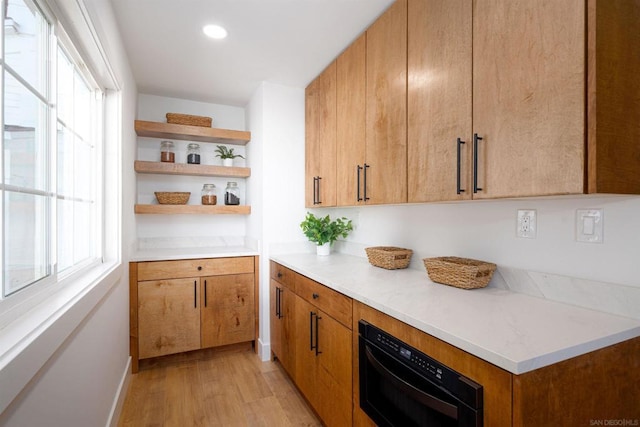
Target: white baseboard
[[118, 401], [264, 350]]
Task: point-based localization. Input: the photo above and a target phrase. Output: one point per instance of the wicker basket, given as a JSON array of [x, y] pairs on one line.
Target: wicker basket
[[389, 257], [462, 273], [187, 119], [172, 197]]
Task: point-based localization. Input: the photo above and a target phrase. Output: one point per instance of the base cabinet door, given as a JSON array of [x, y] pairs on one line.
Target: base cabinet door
[[168, 316], [282, 312], [323, 363], [227, 309]]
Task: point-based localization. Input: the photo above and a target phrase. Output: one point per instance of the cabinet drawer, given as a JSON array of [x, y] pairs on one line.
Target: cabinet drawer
[[283, 275], [155, 270], [331, 302]]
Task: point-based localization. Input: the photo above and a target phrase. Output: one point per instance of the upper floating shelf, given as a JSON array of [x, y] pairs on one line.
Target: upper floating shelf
[[191, 133]]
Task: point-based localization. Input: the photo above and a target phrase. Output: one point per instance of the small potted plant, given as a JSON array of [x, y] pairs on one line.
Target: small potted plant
[[226, 154], [323, 232]]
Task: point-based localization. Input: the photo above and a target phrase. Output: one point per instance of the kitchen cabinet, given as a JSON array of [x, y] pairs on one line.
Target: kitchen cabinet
[[439, 100], [191, 133], [184, 305], [385, 171], [282, 316], [548, 119], [320, 140], [320, 340]]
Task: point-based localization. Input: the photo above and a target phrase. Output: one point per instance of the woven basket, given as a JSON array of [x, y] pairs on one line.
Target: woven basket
[[172, 197], [462, 273], [389, 257], [187, 119]]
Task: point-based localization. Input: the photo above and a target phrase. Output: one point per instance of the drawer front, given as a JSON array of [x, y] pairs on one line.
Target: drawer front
[[283, 275], [331, 302], [156, 270]]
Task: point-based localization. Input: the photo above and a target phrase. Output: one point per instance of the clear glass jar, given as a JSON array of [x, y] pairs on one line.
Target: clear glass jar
[[209, 196], [167, 153], [193, 154], [232, 194]]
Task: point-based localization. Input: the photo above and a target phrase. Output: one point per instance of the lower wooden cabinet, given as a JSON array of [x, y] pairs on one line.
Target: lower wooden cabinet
[[174, 307], [311, 336]]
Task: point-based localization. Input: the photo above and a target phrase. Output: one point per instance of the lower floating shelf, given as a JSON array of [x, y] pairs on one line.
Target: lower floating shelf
[[192, 209]]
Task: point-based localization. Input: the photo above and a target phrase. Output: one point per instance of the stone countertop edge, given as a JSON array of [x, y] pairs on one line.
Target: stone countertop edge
[[516, 332], [170, 254]]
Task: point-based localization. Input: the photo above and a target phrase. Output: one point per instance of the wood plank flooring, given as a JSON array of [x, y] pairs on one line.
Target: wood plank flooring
[[230, 388]]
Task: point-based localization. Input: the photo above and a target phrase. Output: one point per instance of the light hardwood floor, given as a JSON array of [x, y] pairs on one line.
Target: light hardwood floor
[[227, 388]]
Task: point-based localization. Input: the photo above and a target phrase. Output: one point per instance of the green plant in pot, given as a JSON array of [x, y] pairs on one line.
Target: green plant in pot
[[323, 231], [226, 154]]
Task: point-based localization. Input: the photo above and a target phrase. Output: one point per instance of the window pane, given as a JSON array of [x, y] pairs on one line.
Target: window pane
[[26, 42], [65, 89], [24, 137], [65, 234], [82, 232], [81, 107], [25, 230], [65, 162]]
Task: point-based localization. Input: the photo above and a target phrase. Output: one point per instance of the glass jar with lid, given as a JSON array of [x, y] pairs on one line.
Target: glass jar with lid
[[193, 154], [232, 194], [167, 153], [209, 196]]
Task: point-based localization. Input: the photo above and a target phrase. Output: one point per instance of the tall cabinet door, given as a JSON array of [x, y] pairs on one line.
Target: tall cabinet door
[[227, 309], [439, 100], [168, 316], [529, 97], [386, 115], [320, 140], [351, 134], [282, 324]]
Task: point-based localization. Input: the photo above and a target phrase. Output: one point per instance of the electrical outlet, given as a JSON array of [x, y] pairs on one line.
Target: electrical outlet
[[526, 223]]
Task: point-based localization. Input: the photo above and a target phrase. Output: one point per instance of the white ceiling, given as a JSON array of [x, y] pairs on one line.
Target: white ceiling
[[280, 41]]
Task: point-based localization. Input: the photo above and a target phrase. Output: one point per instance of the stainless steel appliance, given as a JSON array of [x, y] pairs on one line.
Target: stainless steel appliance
[[401, 386]]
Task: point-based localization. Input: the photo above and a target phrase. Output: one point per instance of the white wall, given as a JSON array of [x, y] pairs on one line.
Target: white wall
[[80, 384], [276, 119]]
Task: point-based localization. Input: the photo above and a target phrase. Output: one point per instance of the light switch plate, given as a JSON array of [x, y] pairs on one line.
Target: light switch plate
[[589, 225], [526, 223]]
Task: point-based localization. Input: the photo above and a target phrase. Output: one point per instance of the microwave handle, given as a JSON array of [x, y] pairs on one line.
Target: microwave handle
[[417, 394]]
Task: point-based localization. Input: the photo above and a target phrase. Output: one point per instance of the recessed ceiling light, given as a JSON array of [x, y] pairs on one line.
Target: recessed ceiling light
[[214, 31]]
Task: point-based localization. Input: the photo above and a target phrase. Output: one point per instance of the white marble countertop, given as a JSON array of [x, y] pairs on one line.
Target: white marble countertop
[[516, 332], [161, 254]]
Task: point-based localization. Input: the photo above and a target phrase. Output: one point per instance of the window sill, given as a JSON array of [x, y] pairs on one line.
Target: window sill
[[27, 342]]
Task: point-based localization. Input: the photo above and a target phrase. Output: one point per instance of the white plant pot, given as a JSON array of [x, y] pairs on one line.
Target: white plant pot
[[323, 250], [227, 162]]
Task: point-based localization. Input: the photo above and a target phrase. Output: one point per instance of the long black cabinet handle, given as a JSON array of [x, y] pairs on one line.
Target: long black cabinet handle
[[311, 314], [458, 189], [358, 198], [476, 138], [205, 293], [316, 190], [195, 294], [279, 303], [366, 166], [317, 336]]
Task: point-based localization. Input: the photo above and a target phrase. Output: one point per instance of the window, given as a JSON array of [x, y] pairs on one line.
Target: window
[[51, 153]]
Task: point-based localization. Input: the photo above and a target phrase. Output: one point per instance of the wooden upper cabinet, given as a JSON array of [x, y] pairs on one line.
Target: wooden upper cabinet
[[386, 107], [439, 100], [529, 97], [351, 130], [320, 140]]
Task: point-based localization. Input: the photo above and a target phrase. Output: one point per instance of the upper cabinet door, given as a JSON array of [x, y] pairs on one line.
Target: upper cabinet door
[[529, 97], [320, 140], [386, 115], [351, 97], [439, 100]]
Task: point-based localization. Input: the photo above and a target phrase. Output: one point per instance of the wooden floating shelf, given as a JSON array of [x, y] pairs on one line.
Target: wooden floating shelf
[[188, 169], [193, 209], [191, 133]]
